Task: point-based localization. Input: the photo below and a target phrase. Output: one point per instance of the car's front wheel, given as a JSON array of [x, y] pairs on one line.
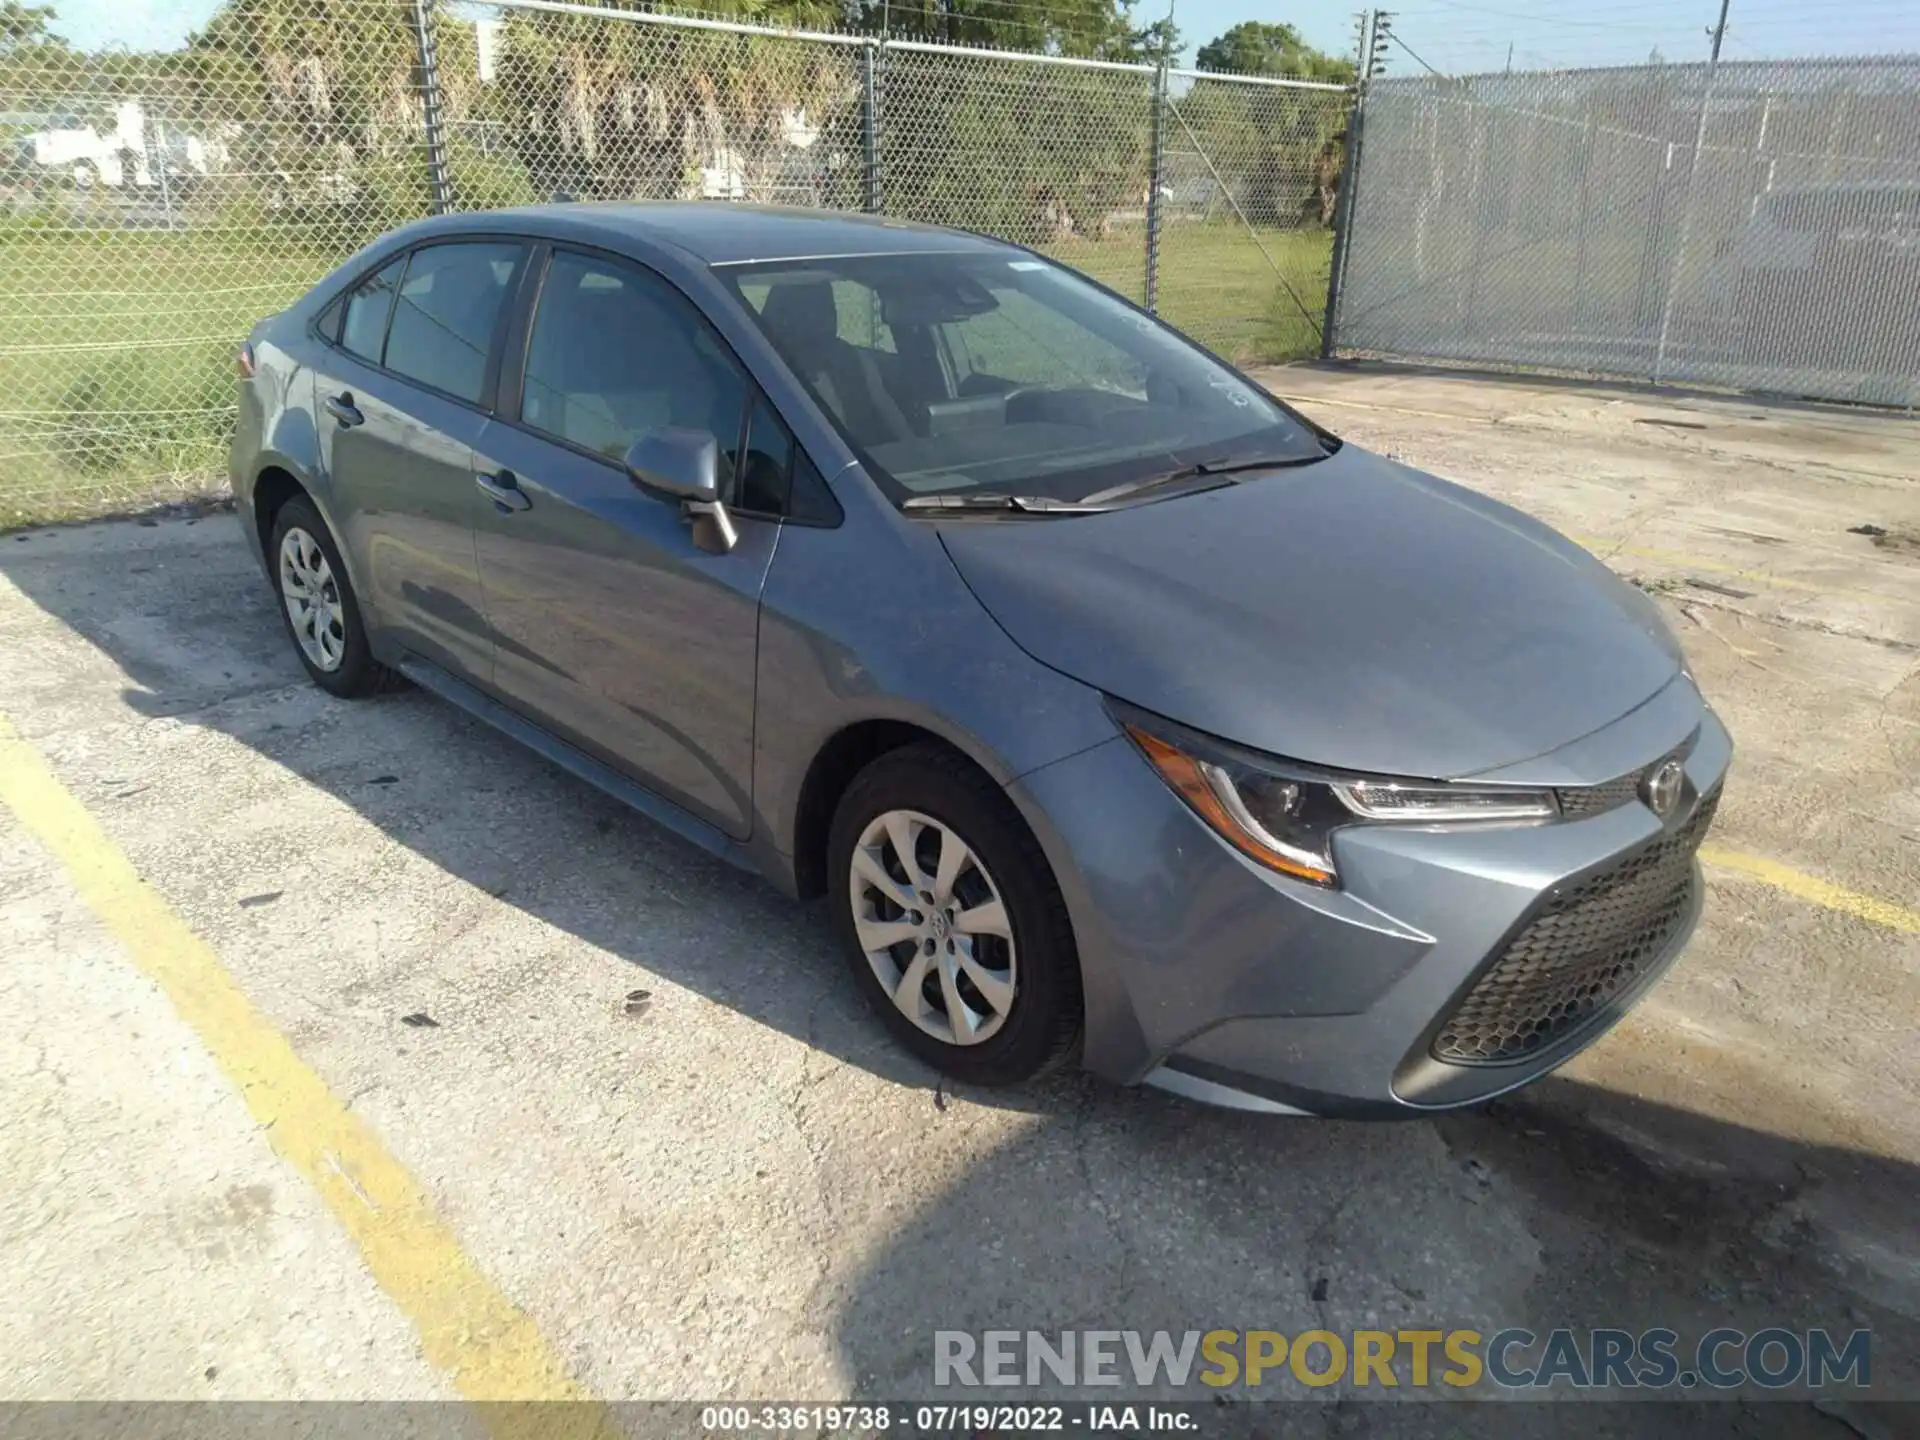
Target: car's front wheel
[[318, 605], [952, 921]]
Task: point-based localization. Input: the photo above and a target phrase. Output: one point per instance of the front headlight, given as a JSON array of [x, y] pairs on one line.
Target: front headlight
[[1284, 815]]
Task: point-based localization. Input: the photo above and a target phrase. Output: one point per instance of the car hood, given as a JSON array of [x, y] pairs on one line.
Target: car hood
[[1352, 613]]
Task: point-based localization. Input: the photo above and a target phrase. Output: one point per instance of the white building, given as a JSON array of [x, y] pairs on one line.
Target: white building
[[127, 153]]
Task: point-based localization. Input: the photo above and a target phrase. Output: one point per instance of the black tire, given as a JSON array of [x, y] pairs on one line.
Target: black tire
[[358, 673], [1042, 1027]]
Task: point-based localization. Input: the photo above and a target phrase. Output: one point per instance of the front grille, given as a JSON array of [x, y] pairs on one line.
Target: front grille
[[1578, 802], [1584, 948], [1594, 799]]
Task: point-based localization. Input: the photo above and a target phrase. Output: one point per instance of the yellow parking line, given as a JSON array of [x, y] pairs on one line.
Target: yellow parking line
[[1606, 548], [468, 1328], [1813, 889]]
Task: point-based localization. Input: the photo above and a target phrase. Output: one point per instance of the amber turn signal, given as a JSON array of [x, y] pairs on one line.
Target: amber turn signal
[[1195, 782]]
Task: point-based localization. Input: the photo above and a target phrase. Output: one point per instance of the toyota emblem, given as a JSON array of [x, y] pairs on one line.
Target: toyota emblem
[[1661, 788]]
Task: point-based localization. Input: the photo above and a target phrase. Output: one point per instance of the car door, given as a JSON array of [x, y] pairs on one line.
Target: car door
[[611, 626], [401, 397]]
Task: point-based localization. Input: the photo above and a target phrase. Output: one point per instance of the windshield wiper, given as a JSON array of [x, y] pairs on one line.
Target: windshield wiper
[[993, 500], [1206, 470], [1201, 470]]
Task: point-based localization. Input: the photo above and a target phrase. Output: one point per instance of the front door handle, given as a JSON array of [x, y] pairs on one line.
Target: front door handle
[[342, 408], [501, 488]]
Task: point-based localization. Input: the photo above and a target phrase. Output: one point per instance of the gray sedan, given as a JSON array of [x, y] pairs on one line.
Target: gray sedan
[[1121, 713]]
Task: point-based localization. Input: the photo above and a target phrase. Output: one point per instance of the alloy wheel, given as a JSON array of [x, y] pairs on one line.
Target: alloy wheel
[[312, 598], [933, 926]]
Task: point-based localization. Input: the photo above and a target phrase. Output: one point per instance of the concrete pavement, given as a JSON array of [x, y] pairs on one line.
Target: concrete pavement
[[735, 1186]]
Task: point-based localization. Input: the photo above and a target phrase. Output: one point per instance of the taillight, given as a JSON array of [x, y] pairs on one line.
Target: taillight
[[243, 360]]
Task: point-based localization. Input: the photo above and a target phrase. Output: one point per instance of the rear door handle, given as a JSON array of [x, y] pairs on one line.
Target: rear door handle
[[342, 408], [501, 488]]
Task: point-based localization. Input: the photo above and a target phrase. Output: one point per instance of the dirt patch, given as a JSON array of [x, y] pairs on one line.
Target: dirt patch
[[1901, 542]]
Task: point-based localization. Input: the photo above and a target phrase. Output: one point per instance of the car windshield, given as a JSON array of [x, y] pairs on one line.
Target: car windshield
[[995, 372]]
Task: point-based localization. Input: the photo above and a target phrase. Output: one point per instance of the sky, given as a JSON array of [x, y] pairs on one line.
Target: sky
[[1451, 36], [1465, 36], [136, 24]]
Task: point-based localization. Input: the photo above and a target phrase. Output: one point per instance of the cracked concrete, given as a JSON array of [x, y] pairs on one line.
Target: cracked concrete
[[746, 1190]]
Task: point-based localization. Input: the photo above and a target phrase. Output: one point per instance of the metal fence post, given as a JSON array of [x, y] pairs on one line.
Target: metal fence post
[[1343, 221], [439, 192], [1155, 164], [158, 151], [1580, 233], [870, 126]]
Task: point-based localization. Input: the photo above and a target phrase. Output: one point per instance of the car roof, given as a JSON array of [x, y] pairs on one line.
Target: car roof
[[718, 232]]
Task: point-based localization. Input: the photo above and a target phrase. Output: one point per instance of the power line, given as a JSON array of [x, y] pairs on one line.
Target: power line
[[1619, 33], [1416, 55], [1664, 10]]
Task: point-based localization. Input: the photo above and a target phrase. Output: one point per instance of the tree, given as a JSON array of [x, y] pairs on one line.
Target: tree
[[1150, 42], [1255, 47], [22, 25], [1277, 149], [1101, 29], [39, 71]]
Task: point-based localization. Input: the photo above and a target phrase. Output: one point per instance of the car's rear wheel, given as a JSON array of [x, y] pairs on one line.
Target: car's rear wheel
[[318, 605], [953, 924]]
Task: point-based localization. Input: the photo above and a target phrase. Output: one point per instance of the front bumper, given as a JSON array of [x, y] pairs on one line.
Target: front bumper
[[1211, 976]]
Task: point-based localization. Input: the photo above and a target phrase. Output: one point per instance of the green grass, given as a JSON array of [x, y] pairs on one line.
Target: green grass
[[1216, 283], [116, 360], [116, 347]]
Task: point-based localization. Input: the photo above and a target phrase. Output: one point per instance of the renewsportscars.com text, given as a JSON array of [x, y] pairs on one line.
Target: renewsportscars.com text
[[1511, 1359]]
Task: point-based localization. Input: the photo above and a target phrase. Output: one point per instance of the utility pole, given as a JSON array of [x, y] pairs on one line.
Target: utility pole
[[870, 125], [1719, 34], [1156, 162], [439, 188], [1693, 174], [1378, 33], [1366, 33]]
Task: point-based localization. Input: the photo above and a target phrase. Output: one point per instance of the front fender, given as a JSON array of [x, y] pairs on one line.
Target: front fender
[[871, 621]]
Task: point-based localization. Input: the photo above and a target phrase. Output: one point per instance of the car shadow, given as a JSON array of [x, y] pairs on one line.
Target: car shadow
[[182, 610], [1568, 1206], [1105, 1208]]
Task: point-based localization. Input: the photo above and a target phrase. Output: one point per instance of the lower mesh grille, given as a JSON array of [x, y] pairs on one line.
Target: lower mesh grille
[[1586, 947]]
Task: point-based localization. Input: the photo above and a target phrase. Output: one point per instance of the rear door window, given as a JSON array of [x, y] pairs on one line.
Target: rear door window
[[329, 322], [446, 313], [368, 305]]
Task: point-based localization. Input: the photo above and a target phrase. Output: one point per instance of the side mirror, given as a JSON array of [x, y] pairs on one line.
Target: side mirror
[[672, 462]]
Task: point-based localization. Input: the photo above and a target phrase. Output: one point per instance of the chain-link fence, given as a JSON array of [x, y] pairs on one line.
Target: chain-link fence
[[1056, 152], [153, 206], [1753, 225], [1248, 182]]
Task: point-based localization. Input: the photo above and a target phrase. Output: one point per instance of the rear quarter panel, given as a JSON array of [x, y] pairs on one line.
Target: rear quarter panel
[[275, 428]]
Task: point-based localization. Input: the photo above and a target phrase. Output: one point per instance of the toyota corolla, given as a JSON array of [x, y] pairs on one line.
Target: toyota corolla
[[1121, 713]]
